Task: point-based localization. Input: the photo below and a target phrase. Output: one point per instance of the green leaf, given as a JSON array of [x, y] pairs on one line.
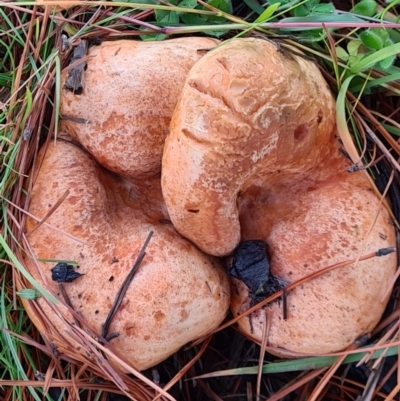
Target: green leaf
[[223, 5], [301, 11], [371, 39], [313, 36], [384, 34], [167, 17], [366, 8], [391, 129], [328, 8], [374, 58], [193, 19], [28, 106], [153, 37], [304, 9], [354, 59], [394, 35], [312, 3], [352, 46], [359, 82], [188, 4], [267, 13], [218, 34], [387, 62], [28, 293], [25, 272], [341, 53], [255, 6]]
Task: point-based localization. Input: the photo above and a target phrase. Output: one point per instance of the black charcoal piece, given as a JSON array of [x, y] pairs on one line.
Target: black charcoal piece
[[64, 273], [251, 265]]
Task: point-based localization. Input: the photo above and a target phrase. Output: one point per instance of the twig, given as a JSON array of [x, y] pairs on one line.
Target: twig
[[124, 287], [67, 301], [50, 212], [290, 287]]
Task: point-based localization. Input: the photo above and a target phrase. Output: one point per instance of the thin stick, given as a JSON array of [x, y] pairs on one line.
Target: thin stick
[[44, 223], [124, 287], [68, 301], [284, 303], [50, 212], [265, 333], [290, 287]]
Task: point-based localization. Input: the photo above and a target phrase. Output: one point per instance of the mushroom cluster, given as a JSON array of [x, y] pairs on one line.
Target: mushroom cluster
[[250, 153]]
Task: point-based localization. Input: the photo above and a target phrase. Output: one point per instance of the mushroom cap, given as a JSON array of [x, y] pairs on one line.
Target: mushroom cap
[[177, 295], [246, 111], [253, 154], [130, 90], [315, 229]]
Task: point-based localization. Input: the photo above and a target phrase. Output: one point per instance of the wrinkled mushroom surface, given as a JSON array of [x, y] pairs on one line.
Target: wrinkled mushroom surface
[[130, 89], [178, 293], [252, 154], [247, 113], [318, 228]]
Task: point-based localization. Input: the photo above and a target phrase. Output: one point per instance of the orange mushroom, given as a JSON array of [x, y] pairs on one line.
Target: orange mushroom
[[130, 89], [178, 293], [121, 118], [252, 154]]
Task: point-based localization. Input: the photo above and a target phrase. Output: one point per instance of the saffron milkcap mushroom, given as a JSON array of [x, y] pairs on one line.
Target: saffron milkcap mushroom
[[121, 118], [178, 293], [253, 155], [130, 89]]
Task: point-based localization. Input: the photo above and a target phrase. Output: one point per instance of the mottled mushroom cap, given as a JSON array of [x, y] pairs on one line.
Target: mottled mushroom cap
[[253, 154], [247, 110], [317, 228], [130, 89], [178, 294]]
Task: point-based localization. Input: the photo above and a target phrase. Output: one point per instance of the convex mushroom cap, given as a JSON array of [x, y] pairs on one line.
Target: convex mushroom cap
[[130, 89], [122, 118], [177, 295], [252, 154]]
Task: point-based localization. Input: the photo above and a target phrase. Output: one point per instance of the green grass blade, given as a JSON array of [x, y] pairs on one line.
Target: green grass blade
[[319, 18], [341, 121], [375, 57], [377, 82], [24, 272], [11, 344], [301, 364]]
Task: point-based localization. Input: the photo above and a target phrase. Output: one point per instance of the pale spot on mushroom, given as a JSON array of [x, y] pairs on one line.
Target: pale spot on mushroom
[[201, 123], [265, 121], [259, 154], [245, 103], [238, 86]]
